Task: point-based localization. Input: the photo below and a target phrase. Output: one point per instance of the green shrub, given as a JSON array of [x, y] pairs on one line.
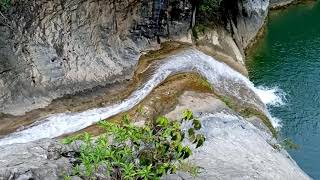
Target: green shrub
[[198, 30], [210, 12], [132, 152], [286, 144], [209, 6], [5, 4], [289, 144]]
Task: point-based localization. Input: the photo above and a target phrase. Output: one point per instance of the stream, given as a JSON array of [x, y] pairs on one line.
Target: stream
[[288, 57]]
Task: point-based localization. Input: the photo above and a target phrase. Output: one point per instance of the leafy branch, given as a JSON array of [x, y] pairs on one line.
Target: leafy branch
[[127, 151]]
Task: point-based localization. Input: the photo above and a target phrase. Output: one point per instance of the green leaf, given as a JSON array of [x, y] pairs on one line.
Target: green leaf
[[179, 148], [71, 139], [196, 124], [162, 121], [176, 136], [187, 115], [200, 140], [87, 137], [186, 152], [173, 169], [191, 132], [126, 119], [166, 148], [182, 136]]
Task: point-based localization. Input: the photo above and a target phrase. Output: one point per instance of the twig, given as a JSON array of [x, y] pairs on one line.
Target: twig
[[6, 20]]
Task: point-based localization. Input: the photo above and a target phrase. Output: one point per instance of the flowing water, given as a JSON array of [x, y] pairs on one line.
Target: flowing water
[[224, 79], [289, 57]]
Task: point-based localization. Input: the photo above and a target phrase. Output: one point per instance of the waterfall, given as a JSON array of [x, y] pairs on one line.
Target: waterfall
[[223, 79]]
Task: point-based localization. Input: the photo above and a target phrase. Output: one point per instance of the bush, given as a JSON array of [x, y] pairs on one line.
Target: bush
[[289, 144], [127, 151], [198, 30], [209, 10], [209, 7], [216, 11], [4, 4]]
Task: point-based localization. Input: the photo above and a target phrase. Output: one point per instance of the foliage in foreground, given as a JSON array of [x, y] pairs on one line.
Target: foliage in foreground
[[127, 151]]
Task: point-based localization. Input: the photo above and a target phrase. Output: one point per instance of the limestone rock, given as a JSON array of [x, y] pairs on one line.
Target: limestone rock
[[38, 160], [250, 20], [234, 148]]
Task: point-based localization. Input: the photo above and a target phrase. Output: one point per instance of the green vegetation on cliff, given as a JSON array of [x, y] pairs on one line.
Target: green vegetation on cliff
[[210, 7], [4, 4], [215, 10], [128, 151]]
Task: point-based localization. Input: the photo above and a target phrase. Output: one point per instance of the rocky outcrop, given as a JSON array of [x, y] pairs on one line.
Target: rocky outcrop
[[225, 155], [52, 48], [244, 24], [249, 21]]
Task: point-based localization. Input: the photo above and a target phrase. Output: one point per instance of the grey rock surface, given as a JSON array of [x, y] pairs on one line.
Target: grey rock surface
[[234, 148], [38, 160], [249, 21], [52, 48]]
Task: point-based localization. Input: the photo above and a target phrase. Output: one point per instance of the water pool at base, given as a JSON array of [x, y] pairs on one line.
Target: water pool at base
[[288, 57]]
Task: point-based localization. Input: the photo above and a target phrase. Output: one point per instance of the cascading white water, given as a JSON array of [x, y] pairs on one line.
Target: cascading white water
[[271, 96], [224, 79]]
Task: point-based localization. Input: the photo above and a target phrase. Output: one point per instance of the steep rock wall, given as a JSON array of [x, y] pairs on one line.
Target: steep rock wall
[[52, 48], [249, 21]]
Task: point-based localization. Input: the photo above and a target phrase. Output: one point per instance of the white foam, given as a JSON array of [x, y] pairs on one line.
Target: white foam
[[276, 122], [223, 79], [271, 96]]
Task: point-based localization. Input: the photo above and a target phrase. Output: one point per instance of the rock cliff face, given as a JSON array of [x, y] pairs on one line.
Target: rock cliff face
[[251, 18], [52, 48]]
